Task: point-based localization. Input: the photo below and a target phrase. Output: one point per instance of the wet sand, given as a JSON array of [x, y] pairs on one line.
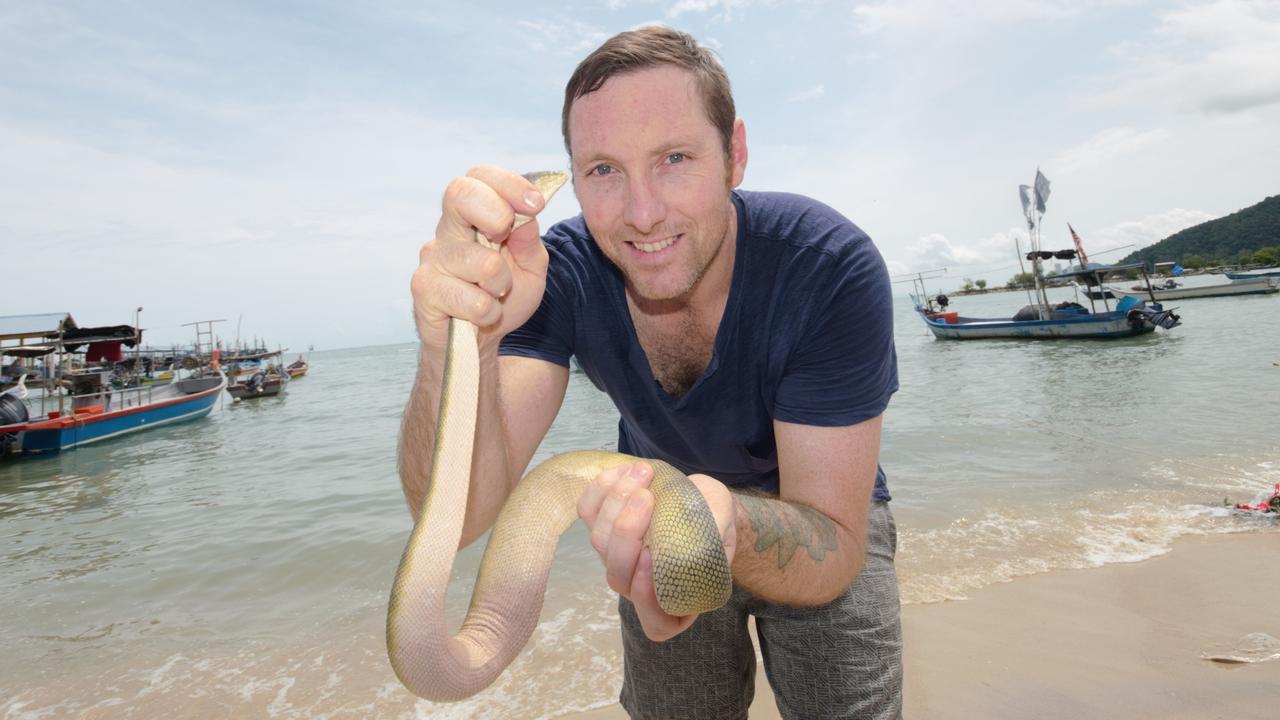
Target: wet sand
[[1119, 641]]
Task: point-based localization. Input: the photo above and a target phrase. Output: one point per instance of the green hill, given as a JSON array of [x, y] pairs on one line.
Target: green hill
[[1231, 240]]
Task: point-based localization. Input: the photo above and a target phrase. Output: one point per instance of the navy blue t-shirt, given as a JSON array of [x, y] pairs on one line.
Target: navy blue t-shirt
[[806, 337]]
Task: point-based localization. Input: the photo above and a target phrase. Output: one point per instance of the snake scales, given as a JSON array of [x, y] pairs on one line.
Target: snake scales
[[691, 574]]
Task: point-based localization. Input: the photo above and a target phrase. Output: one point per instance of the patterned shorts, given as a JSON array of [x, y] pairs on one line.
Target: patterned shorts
[[839, 660]]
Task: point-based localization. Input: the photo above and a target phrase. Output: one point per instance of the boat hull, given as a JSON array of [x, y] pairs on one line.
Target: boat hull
[[1101, 325], [1253, 286], [270, 388], [1253, 275]]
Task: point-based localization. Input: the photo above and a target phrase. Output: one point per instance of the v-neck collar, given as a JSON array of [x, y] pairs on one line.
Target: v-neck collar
[[728, 319]]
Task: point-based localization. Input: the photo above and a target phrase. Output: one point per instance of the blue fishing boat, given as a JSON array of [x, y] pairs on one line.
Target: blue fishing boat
[[79, 405], [1044, 321]]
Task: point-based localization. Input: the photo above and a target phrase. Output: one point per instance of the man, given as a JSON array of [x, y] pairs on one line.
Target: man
[[746, 338]]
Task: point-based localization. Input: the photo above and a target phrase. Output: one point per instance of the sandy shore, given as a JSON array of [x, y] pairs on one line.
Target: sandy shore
[[1120, 641]]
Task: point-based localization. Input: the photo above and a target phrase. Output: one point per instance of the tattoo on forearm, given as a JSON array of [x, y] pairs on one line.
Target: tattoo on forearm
[[789, 526]]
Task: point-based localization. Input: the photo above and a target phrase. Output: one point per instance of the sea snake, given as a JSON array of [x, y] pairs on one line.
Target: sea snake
[[691, 573]]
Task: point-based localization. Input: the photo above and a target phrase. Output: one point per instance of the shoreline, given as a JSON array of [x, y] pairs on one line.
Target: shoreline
[[1119, 641]]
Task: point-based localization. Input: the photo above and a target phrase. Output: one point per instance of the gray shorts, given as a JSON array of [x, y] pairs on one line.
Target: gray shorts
[[839, 660]]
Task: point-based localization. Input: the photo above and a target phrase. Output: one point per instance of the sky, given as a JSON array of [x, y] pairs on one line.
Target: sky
[[279, 165]]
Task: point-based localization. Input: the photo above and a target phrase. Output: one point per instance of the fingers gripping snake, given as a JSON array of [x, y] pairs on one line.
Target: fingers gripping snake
[[691, 574]]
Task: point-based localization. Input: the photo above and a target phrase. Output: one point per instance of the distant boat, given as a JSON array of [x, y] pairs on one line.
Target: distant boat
[[297, 368], [263, 383], [1266, 272], [1258, 285]]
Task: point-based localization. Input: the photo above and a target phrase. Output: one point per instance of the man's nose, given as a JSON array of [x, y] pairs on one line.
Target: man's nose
[[645, 207]]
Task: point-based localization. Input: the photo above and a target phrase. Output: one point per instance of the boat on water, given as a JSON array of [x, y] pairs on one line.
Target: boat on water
[[267, 382], [1042, 320], [1265, 272], [1045, 321], [80, 406], [297, 368], [1171, 290]]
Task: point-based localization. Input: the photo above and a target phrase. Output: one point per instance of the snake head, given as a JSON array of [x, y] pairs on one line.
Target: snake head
[[547, 181]]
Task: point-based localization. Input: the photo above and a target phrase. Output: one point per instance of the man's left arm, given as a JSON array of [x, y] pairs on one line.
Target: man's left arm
[[807, 546]]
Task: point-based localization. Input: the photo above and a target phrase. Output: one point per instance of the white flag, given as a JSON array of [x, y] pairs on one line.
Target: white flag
[[1042, 190], [1024, 191]]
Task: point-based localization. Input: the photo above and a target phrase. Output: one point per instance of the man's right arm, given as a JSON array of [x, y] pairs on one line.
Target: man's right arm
[[497, 290], [519, 399]]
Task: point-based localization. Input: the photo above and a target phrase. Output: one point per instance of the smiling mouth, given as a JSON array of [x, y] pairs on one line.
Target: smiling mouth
[[653, 247]]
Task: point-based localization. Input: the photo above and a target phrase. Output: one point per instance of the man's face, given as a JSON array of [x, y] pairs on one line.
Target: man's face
[[653, 181]]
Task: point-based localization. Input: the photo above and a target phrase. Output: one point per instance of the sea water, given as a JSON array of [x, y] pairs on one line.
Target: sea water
[[239, 565]]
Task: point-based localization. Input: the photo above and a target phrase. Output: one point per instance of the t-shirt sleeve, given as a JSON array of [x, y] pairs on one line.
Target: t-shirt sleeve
[[548, 334], [842, 368]]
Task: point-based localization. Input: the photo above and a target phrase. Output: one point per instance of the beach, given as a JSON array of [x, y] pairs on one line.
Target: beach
[[1119, 641]]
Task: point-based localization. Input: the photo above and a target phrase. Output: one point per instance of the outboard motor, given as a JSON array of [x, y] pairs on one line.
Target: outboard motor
[[255, 382], [12, 410]]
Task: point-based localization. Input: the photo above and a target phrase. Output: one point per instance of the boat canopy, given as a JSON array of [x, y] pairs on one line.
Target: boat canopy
[[21, 327], [1094, 274], [28, 351], [126, 334]]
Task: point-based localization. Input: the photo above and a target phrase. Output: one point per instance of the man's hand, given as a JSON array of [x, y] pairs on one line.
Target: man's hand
[[617, 507], [457, 277]]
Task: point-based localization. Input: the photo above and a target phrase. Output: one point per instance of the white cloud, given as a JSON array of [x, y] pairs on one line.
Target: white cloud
[[915, 15], [1215, 57], [812, 93], [564, 38], [725, 8], [937, 250], [1106, 146], [1136, 234]]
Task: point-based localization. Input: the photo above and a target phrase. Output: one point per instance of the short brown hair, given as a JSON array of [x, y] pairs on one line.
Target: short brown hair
[[649, 47]]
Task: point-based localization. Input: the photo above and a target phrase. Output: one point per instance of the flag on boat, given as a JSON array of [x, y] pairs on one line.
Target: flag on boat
[[1084, 259], [1177, 269], [1024, 191], [1042, 191]]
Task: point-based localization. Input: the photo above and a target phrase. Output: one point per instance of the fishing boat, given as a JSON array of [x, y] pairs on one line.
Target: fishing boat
[[1045, 321], [1041, 320], [80, 406], [1171, 290], [267, 382], [297, 368], [1265, 272]]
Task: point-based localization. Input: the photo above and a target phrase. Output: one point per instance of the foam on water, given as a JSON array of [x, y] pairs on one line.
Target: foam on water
[[1010, 540]]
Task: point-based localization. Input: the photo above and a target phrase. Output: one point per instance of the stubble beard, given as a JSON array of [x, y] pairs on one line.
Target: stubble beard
[[659, 295]]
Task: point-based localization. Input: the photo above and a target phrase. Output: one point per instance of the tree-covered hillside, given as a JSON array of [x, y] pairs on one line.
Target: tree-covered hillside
[[1230, 240]]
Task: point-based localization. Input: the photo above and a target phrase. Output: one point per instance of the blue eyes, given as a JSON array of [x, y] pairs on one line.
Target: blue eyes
[[603, 170]]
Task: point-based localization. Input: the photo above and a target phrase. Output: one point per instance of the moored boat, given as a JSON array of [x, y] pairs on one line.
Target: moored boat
[[1044, 321], [1173, 291], [1251, 274], [80, 405], [107, 413], [297, 368], [264, 383], [1065, 320]]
